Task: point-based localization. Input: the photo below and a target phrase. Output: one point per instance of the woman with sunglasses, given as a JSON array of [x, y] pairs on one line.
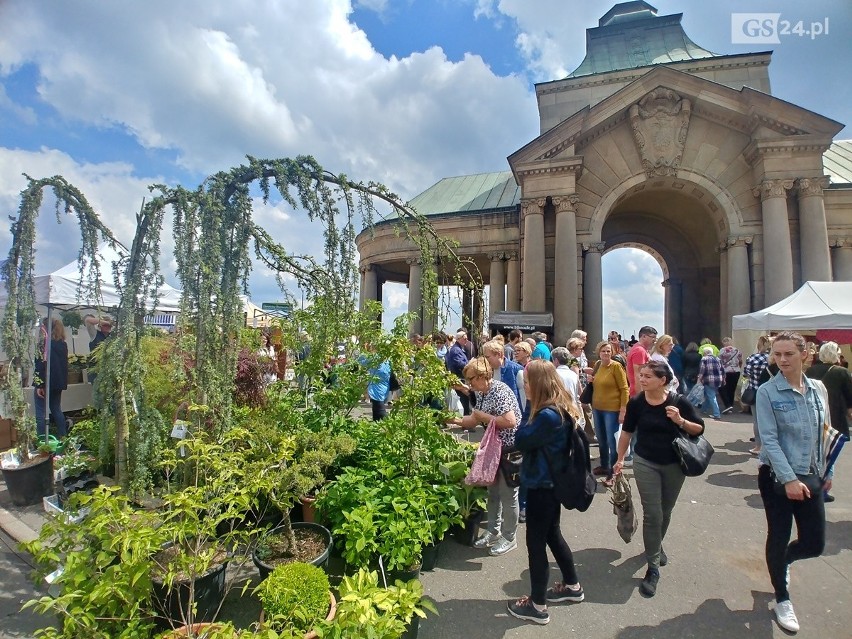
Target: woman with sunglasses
[[495, 401]]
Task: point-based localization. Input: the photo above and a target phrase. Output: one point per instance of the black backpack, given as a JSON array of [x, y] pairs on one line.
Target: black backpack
[[573, 482]]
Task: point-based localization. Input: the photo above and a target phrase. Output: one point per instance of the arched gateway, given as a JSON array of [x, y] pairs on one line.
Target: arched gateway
[[659, 144]]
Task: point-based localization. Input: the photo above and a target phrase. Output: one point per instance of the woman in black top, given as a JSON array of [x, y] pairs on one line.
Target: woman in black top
[[655, 416], [57, 378]]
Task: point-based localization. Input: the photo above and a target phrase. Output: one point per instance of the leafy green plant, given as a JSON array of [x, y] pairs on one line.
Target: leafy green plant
[[295, 595], [367, 609], [101, 585], [372, 515]]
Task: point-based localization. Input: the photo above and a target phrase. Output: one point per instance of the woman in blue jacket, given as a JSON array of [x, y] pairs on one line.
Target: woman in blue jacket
[[791, 410], [549, 415]]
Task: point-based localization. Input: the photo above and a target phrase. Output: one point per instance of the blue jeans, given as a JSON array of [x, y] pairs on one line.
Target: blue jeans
[[606, 427], [55, 412], [711, 405]]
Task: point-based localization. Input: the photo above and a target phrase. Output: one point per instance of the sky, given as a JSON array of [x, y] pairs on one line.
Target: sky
[[116, 96]]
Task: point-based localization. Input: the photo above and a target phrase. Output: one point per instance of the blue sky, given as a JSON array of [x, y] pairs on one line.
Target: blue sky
[[118, 96]]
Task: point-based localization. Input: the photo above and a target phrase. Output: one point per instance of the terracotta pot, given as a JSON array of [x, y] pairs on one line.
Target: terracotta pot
[[308, 508]]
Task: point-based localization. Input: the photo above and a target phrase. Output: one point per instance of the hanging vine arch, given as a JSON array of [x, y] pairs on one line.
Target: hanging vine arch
[[213, 229]]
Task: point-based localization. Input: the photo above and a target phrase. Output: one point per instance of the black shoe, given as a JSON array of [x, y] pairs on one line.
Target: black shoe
[[664, 558], [828, 498], [524, 609], [648, 587]]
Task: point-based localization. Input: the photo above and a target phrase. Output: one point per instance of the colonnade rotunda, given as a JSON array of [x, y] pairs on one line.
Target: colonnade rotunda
[[652, 142]]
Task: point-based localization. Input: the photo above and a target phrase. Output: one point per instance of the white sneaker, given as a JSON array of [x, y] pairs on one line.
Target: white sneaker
[[503, 546], [628, 463], [487, 540], [785, 616]]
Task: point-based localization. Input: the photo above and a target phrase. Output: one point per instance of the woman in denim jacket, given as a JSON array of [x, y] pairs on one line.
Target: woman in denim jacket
[[550, 412], [791, 410]]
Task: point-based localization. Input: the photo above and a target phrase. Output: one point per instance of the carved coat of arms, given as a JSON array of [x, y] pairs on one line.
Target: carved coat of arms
[[660, 121]]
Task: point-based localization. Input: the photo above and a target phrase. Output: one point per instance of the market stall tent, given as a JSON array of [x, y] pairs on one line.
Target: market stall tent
[[823, 309], [59, 290]]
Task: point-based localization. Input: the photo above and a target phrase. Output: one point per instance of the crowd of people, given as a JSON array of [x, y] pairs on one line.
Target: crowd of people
[[530, 390], [641, 399]]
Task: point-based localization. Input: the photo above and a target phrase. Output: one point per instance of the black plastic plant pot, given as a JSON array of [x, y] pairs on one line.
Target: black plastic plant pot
[[321, 561], [412, 629], [209, 593], [404, 575], [28, 484], [467, 532], [431, 554]]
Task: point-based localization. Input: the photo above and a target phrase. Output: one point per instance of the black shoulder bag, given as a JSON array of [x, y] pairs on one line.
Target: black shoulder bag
[[693, 451]]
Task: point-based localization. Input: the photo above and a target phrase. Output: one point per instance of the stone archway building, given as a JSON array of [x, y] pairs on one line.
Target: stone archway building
[[657, 143]]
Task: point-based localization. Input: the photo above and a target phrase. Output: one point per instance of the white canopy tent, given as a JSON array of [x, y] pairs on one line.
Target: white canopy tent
[[59, 290], [817, 307]]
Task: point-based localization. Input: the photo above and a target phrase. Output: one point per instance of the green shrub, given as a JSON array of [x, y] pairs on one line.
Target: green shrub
[[295, 595]]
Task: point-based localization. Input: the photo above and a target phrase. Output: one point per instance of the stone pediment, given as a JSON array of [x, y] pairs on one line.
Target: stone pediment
[[746, 110]]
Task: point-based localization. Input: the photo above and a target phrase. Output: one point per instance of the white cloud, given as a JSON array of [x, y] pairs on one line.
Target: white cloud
[[271, 79]]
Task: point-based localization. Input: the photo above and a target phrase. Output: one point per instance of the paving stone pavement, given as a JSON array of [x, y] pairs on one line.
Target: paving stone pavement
[[715, 585]]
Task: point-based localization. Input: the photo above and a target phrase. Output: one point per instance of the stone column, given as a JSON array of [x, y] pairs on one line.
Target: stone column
[[371, 287], [497, 284], [430, 305], [724, 316], [674, 308], [777, 252], [841, 259], [813, 231], [513, 282], [593, 292], [565, 308], [739, 286], [415, 296], [532, 212]]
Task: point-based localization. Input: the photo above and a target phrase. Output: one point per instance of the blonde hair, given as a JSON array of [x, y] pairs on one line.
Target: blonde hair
[[524, 347], [499, 338], [492, 348], [600, 346], [763, 342], [547, 390], [574, 343], [57, 330], [661, 340], [478, 367]]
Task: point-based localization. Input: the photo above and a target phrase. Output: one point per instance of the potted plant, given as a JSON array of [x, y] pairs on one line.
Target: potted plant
[[296, 597], [71, 320], [28, 476], [369, 609], [211, 485], [471, 500]]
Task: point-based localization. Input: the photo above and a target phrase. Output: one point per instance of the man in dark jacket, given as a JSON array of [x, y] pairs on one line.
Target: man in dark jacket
[[456, 360]]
